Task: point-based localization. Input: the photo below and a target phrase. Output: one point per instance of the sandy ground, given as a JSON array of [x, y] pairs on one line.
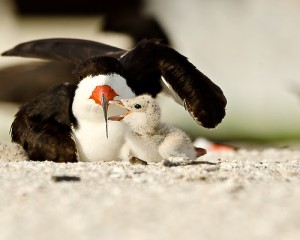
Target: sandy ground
[[244, 194]]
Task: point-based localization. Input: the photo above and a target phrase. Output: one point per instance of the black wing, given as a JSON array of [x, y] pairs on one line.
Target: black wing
[[151, 60], [144, 67], [69, 50], [43, 125]]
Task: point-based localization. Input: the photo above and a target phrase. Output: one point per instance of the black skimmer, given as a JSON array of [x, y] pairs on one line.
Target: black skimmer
[[149, 68], [147, 138], [65, 124]]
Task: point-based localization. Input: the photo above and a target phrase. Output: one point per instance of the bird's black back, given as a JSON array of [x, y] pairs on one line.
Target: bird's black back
[[43, 125]]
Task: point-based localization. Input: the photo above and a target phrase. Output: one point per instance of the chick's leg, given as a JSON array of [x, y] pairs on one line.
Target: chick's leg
[[127, 155]]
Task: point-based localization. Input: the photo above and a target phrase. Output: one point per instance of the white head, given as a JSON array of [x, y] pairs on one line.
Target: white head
[[101, 81], [143, 113], [88, 100]]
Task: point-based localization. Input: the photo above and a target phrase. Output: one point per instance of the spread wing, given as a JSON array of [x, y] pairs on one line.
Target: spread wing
[[152, 61], [151, 67], [68, 50]]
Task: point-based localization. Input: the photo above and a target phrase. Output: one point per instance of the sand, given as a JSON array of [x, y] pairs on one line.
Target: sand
[[244, 194]]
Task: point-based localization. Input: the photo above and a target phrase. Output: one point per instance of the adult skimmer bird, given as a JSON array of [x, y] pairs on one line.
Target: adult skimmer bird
[[68, 122]]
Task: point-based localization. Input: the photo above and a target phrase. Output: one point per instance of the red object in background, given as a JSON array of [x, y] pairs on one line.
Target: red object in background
[[203, 145], [220, 147]]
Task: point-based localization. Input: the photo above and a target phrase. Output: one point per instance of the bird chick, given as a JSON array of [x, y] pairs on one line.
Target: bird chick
[[147, 138]]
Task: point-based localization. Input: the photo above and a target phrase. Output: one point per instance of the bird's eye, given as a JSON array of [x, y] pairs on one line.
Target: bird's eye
[[137, 106]]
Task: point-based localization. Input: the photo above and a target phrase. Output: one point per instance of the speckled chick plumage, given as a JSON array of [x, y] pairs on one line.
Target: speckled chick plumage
[[147, 138]]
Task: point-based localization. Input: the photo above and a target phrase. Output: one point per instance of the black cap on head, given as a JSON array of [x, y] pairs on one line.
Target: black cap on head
[[99, 65]]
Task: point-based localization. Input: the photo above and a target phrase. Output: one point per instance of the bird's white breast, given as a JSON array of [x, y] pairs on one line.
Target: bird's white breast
[[92, 144], [145, 147]]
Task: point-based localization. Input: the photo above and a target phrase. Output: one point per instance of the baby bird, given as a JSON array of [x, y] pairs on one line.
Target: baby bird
[[148, 139]]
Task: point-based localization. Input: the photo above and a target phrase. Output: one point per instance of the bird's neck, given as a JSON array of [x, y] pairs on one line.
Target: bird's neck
[[144, 129]]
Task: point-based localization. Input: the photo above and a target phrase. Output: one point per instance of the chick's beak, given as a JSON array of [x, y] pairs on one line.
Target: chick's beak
[[118, 117], [117, 102], [102, 95]]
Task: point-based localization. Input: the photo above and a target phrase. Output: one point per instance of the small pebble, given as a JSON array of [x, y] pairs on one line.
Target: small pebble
[[65, 178], [168, 163]]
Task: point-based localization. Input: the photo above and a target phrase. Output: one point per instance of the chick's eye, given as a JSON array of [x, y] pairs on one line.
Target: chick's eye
[[137, 106]]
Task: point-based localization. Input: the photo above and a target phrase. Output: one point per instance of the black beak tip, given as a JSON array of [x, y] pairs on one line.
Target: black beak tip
[[104, 107]]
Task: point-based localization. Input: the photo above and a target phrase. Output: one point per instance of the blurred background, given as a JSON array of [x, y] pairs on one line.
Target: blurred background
[[250, 48]]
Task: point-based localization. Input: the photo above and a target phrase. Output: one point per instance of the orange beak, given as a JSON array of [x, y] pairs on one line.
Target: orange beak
[[102, 95]]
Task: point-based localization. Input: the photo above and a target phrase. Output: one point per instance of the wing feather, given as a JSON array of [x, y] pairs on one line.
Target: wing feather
[[152, 60], [69, 50]]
